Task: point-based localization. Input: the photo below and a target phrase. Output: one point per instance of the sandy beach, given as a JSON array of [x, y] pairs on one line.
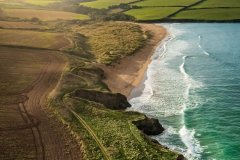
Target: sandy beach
[[128, 73]]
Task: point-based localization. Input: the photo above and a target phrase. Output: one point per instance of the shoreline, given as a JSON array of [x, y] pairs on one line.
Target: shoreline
[[130, 71]]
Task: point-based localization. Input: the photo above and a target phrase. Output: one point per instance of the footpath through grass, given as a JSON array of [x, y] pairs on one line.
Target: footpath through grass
[[102, 132]]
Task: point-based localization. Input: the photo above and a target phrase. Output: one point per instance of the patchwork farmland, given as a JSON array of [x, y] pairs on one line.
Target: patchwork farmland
[[176, 10]]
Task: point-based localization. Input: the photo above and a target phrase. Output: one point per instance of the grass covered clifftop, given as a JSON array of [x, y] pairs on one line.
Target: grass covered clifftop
[[102, 131]]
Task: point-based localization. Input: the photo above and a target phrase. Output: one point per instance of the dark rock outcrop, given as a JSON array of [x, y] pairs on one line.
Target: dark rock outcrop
[[149, 126], [180, 157], [113, 101]]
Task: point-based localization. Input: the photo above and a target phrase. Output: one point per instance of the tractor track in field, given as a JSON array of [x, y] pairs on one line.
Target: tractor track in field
[[51, 139]]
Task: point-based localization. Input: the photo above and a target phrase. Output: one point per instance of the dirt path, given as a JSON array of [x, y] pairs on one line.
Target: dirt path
[[51, 141]]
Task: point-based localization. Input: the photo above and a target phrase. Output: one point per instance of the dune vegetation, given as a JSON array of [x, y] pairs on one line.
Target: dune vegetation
[[111, 41]]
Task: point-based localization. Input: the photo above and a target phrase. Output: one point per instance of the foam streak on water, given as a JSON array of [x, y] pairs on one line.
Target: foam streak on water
[[199, 45]]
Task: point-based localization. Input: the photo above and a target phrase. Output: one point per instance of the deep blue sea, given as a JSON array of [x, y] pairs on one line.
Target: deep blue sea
[[193, 87]]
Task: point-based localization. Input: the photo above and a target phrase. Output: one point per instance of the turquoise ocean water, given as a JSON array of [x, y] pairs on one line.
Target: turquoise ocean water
[[193, 87]]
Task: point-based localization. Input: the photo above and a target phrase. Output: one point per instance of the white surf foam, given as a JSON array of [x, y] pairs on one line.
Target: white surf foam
[[194, 148], [199, 45], [187, 136], [166, 91]]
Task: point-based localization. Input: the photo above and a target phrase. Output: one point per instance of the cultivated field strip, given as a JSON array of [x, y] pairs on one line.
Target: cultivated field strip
[[34, 134]]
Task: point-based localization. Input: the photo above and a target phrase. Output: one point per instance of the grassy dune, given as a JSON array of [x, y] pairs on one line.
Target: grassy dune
[[33, 39], [112, 40], [43, 15]]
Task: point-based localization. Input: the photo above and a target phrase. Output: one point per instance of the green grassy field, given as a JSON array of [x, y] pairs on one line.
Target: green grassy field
[[41, 2], [154, 3], [152, 13], [31, 2], [104, 3], [219, 3], [210, 14]]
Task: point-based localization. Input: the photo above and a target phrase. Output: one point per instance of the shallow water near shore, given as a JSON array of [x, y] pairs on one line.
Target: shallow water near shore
[[193, 87]]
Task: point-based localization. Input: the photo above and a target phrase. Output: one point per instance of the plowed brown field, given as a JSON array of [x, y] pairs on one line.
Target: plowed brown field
[[26, 129]]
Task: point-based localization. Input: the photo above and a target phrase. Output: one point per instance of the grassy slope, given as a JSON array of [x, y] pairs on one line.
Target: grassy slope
[[34, 39], [149, 12], [41, 2], [43, 14], [112, 40], [219, 3], [100, 4]]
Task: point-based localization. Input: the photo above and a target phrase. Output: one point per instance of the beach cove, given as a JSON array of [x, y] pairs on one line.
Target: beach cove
[[183, 100]]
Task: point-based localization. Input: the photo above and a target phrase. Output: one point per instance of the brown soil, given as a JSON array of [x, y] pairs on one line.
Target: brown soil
[[44, 15], [129, 72], [46, 138], [20, 25]]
